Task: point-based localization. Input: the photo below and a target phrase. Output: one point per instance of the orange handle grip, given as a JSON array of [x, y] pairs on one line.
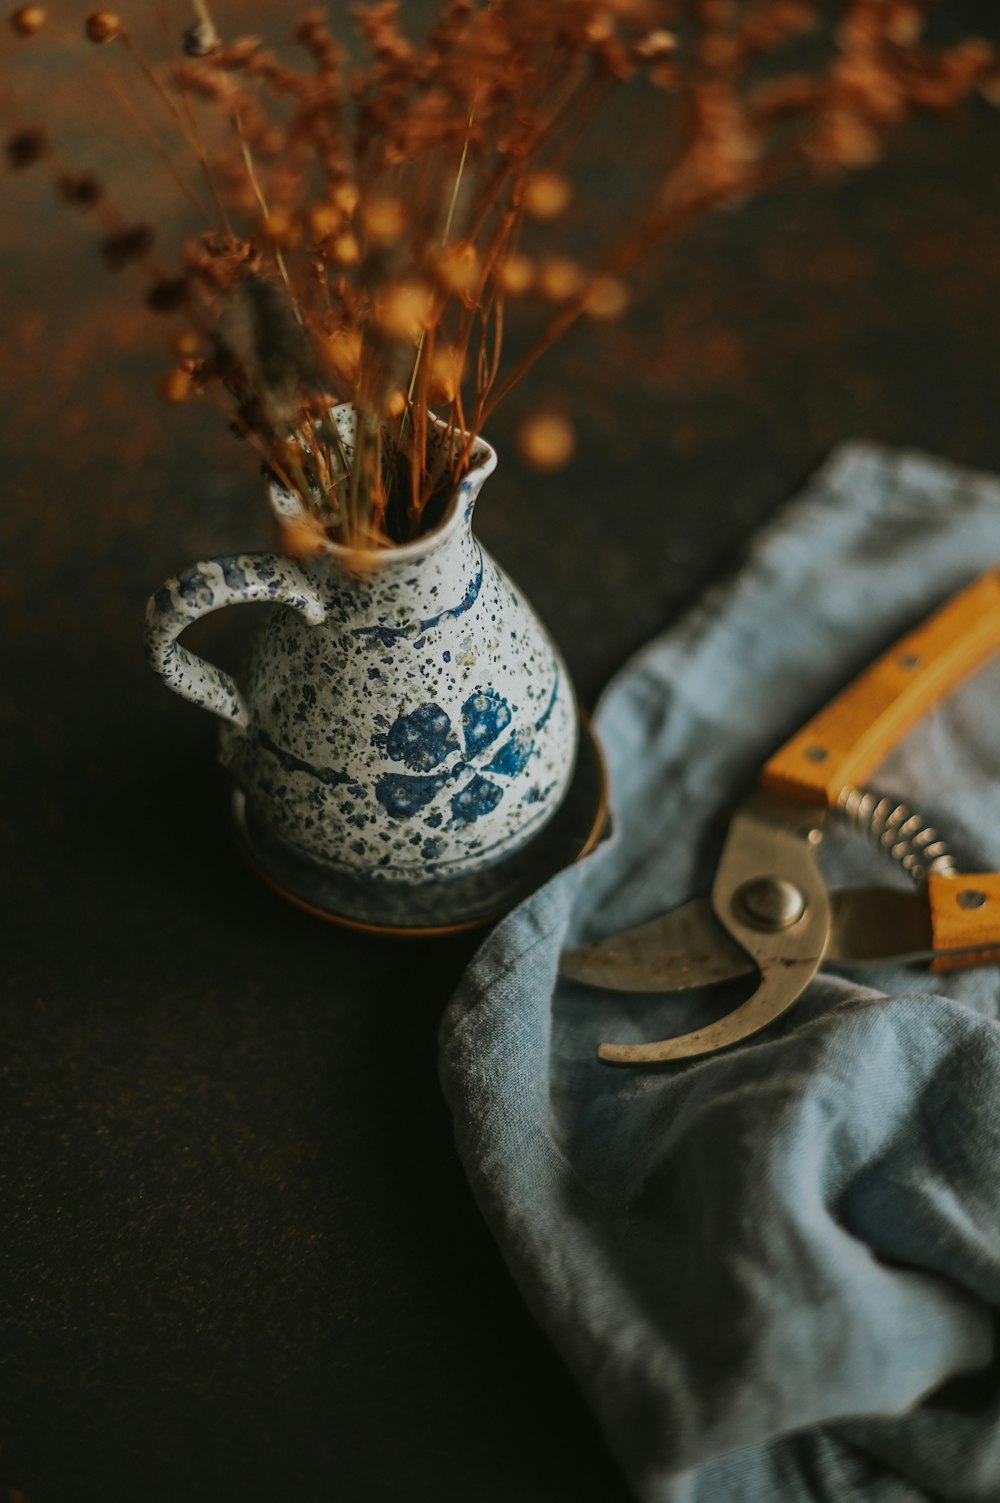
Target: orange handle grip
[[843, 743], [965, 917]]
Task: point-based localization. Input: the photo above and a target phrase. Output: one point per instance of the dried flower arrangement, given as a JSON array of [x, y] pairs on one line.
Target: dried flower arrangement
[[368, 223]]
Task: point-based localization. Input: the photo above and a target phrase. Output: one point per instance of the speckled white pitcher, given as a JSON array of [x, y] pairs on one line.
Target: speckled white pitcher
[[413, 725]]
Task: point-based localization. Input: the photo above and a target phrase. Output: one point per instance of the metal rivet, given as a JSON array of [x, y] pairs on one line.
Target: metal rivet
[[816, 753], [909, 660], [771, 902], [971, 898]]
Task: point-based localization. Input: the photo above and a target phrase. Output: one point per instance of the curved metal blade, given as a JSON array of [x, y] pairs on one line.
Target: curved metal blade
[[684, 948], [768, 839], [875, 926]]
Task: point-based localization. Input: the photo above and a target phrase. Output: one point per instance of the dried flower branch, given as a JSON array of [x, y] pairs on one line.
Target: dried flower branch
[[374, 221]]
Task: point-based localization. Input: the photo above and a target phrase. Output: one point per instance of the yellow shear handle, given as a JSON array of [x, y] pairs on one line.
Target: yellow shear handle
[[844, 743], [965, 919]]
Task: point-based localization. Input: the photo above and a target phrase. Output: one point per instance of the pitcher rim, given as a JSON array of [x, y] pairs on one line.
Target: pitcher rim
[[287, 505]]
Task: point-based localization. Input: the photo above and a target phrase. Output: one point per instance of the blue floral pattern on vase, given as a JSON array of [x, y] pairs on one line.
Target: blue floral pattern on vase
[[421, 739], [425, 738]]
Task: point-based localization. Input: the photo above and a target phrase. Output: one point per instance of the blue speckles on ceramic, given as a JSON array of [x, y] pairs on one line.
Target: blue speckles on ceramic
[[421, 739], [478, 797], [484, 716], [411, 724], [402, 797], [513, 758]]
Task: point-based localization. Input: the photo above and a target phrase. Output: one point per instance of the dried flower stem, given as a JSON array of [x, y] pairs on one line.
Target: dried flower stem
[[138, 119], [190, 138]]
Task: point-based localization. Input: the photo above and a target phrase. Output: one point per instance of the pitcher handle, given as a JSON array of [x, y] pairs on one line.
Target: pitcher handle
[[207, 587]]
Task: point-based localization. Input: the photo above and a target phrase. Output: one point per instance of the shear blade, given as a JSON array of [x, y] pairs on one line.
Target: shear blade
[[684, 948], [689, 947]]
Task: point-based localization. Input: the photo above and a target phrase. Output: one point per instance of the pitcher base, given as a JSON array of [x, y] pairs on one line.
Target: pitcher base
[[423, 910]]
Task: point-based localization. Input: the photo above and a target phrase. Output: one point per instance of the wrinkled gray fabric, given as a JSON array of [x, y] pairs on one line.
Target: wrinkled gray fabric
[[775, 1272]]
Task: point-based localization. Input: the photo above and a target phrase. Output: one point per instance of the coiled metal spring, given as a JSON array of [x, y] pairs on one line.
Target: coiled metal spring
[[898, 831]]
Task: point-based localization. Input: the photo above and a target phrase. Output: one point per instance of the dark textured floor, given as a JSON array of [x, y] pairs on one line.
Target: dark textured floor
[[238, 1258]]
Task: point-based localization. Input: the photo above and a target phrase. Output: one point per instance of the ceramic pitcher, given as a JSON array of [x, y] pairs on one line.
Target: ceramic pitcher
[[414, 723]]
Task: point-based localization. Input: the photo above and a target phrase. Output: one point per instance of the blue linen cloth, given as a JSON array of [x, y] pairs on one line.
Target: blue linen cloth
[[774, 1272]]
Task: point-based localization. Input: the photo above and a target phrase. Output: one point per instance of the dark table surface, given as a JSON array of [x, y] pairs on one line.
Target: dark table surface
[[239, 1259]]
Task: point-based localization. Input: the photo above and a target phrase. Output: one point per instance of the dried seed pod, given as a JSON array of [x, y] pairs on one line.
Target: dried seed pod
[[345, 197], [81, 189], [25, 148], [515, 275], [167, 296], [323, 220], [546, 440], [655, 46], [281, 229], [402, 312], [383, 221], [545, 195], [175, 387], [345, 250], [342, 352], [310, 26], [126, 245], [457, 268], [241, 53], [559, 278], [102, 26], [905, 25], [27, 20], [446, 373], [185, 345], [606, 297]]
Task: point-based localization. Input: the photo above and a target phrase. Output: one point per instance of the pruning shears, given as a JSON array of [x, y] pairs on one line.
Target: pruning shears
[[769, 911]]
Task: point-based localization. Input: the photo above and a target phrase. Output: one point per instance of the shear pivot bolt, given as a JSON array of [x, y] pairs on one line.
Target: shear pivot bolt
[[771, 902]]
